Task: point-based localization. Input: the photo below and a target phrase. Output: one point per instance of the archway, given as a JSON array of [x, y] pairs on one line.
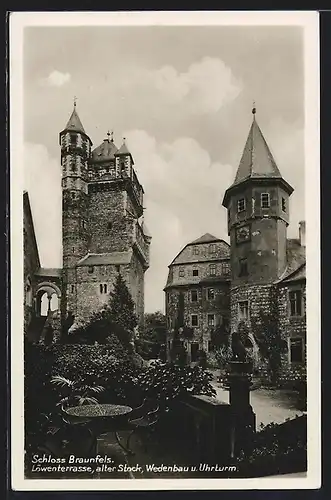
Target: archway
[[48, 297]]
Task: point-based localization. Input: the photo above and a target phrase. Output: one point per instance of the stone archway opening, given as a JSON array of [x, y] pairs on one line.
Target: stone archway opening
[[47, 300]]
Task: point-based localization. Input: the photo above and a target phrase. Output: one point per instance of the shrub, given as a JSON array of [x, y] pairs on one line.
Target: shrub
[[99, 365], [276, 449], [167, 381], [117, 319], [223, 355], [39, 396]]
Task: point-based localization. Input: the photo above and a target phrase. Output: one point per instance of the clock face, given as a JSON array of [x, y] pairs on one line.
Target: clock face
[[243, 234]]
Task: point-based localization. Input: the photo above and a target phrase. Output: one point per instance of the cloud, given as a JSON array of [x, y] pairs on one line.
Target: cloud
[[204, 87], [56, 79], [286, 141], [183, 187], [184, 190], [42, 180]]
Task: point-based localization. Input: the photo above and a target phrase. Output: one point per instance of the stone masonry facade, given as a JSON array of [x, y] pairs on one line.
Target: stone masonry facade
[[265, 284], [103, 233], [197, 295], [103, 229]]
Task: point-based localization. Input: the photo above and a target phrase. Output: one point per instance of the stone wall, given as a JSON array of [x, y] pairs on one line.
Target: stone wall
[[219, 307], [259, 298], [136, 287], [87, 294], [265, 252], [272, 299], [31, 262], [111, 227], [291, 326]]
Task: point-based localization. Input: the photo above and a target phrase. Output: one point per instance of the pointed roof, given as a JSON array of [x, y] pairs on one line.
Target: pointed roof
[[74, 124], [206, 238], [123, 150], [257, 161], [105, 151]]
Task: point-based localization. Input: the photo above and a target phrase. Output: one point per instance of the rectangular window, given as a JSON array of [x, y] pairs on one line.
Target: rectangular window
[[212, 248], [211, 319], [84, 225], [195, 272], [283, 205], [210, 294], [243, 309], [194, 320], [181, 272], [91, 269], [72, 288], [243, 267], [295, 303], [195, 251], [103, 288], [296, 350], [194, 295], [265, 200], [225, 268], [212, 269], [73, 138], [241, 204]]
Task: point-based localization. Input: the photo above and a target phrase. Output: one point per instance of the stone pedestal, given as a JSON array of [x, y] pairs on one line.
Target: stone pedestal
[[243, 416]]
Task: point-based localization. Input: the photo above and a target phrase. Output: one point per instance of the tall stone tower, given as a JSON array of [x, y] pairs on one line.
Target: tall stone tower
[[258, 215], [103, 229], [75, 153]]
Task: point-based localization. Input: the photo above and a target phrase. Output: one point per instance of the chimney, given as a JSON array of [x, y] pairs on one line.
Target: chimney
[[302, 233]]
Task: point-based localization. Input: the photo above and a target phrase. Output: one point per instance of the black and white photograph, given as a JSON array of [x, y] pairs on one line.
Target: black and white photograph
[[165, 250]]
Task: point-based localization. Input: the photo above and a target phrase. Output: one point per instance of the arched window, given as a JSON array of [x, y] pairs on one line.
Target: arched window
[[54, 302], [44, 305]]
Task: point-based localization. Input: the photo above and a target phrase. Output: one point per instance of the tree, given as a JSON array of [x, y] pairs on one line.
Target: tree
[[152, 336], [116, 319], [121, 306], [268, 338]]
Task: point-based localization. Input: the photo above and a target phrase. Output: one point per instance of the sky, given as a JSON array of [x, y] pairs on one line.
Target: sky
[[182, 96]]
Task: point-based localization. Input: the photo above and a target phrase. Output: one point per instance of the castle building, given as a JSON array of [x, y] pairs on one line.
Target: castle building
[[268, 281], [103, 232], [197, 295]]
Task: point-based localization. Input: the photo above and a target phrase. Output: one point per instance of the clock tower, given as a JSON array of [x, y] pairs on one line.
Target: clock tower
[[258, 214]]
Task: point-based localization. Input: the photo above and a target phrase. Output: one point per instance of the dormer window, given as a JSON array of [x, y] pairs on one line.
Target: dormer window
[[265, 200], [241, 204]]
